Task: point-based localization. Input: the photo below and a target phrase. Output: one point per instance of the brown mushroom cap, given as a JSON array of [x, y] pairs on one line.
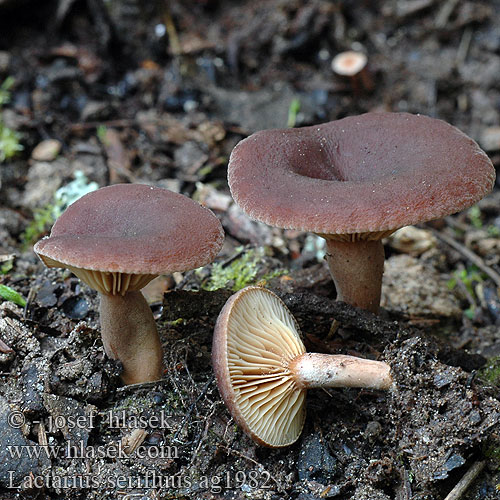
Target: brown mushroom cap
[[134, 229], [375, 172], [255, 339]]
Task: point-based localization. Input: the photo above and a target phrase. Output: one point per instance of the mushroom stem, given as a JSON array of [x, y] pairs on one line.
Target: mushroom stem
[[129, 334], [357, 268], [327, 370]]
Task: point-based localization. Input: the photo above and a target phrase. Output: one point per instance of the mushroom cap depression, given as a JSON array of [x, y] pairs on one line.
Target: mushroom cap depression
[[131, 229], [372, 173], [255, 339]]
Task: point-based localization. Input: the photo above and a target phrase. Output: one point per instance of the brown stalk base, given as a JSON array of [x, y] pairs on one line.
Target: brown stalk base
[[129, 334], [357, 269]]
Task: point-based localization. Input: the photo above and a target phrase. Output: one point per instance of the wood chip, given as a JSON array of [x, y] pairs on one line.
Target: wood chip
[[4, 348], [132, 441]]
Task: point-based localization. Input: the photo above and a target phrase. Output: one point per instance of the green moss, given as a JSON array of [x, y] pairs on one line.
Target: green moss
[[176, 322], [43, 218], [274, 274], [240, 272], [492, 452], [9, 139], [491, 372], [7, 266], [10, 142], [475, 217]]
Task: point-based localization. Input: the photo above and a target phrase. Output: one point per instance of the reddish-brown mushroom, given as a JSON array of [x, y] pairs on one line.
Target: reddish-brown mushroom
[[116, 240], [356, 180], [263, 370], [353, 65]]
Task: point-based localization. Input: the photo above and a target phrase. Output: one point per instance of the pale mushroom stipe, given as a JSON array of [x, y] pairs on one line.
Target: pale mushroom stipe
[[356, 180], [117, 239], [263, 370]]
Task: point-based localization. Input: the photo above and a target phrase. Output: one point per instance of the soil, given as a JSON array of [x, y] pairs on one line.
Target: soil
[[159, 93]]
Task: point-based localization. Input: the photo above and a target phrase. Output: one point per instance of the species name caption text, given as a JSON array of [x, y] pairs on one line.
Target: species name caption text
[[80, 450], [245, 481]]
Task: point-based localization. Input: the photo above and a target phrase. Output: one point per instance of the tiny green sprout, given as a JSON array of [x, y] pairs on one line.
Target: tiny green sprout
[[474, 214], [469, 277], [176, 322], [470, 312], [9, 139], [204, 171], [6, 266], [101, 134], [9, 142], [293, 111], [11, 295], [493, 231], [43, 218], [7, 84]]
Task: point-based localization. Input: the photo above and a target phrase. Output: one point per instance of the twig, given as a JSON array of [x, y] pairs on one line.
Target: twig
[[465, 482], [463, 47], [333, 329], [192, 407], [173, 38], [4, 348], [77, 127], [29, 300], [203, 435], [470, 255], [445, 13], [465, 291], [141, 385]]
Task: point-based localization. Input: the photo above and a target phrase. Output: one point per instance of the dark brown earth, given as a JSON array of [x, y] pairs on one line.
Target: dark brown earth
[[159, 93]]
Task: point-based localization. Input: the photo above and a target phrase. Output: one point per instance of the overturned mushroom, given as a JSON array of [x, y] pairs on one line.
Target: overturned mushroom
[[354, 181], [117, 239], [263, 369]]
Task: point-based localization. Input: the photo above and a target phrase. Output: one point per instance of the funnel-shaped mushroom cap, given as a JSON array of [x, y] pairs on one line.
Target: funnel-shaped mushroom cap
[[370, 173], [255, 339], [131, 229]]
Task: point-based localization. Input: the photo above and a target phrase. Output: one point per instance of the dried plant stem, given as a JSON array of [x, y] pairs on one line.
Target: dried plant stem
[[462, 485]]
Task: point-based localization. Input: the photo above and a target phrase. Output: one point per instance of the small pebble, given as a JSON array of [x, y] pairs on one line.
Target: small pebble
[[46, 150]]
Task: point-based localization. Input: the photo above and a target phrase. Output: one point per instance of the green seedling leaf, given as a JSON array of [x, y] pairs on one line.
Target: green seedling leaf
[[475, 218], [9, 142], [6, 266], [493, 231], [101, 134], [11, 295], [293, 111], [469, 313], [7, 84]]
